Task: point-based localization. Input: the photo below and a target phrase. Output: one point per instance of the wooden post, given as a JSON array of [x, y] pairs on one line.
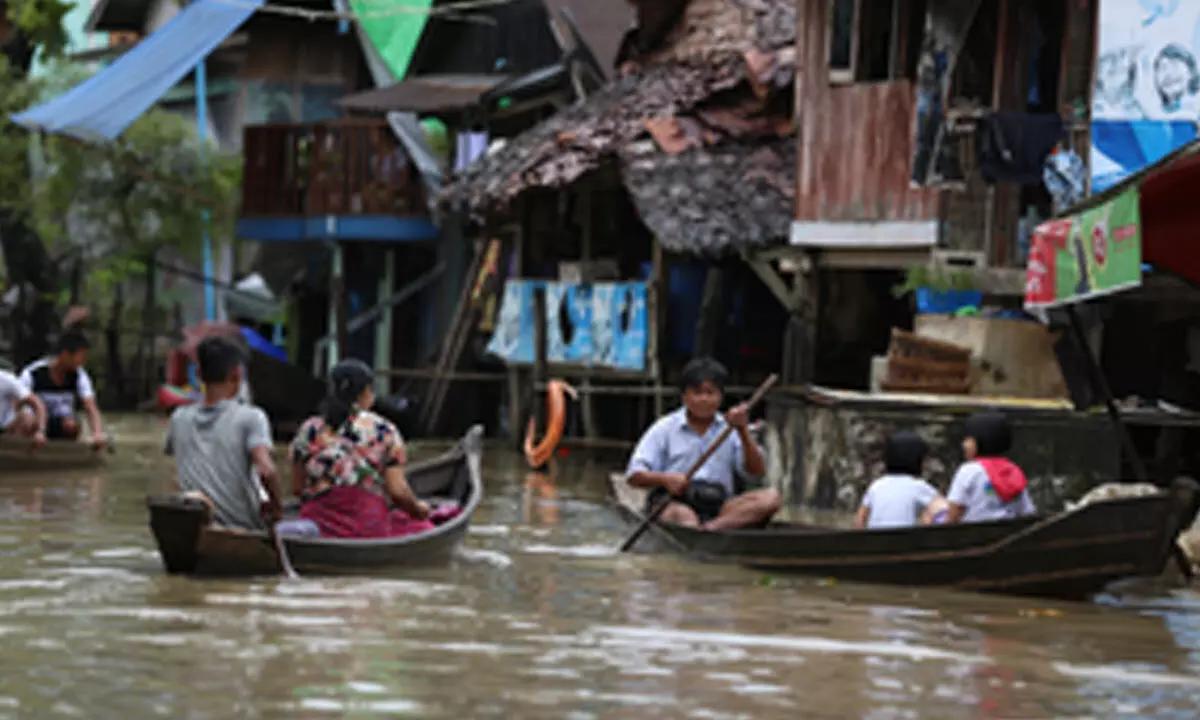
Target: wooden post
[[709, 318], [586, 398], [337, 307], [657, 315], [383, 330], [1105, 392], [539, 355], [515, 395]]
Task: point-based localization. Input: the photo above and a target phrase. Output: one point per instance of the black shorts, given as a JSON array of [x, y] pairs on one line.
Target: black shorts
[[55, 431], [705, 499]]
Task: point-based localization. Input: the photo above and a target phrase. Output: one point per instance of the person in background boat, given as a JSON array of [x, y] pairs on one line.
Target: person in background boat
[[988, 486], [348, 462], [672, 444], [222, 447], [15, 399], [900, 498], [62, 384]]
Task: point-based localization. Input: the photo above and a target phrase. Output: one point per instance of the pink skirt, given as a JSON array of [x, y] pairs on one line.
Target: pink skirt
[[351, 512]]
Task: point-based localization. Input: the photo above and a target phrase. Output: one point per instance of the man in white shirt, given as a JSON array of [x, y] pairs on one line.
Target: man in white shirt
[[62, 384], [14, 398]]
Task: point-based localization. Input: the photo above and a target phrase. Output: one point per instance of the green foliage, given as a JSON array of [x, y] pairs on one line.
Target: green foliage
[[153, 188], [41, 23], [935, 277]]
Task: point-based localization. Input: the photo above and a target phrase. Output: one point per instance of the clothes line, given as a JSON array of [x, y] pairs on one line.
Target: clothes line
[[450, 11]]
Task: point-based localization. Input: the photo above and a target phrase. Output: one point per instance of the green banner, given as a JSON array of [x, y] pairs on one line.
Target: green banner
[[394, 29], [1097, 252]]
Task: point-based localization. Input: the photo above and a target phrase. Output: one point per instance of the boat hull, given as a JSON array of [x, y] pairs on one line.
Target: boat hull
[[187, 544], [54, 455], [1071, 555]]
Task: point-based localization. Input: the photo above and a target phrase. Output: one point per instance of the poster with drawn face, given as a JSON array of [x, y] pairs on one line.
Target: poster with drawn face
[[1146, 99], [512, 339], [603, 325]]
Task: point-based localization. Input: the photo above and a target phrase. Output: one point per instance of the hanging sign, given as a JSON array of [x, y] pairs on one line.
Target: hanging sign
[[1094, 253]]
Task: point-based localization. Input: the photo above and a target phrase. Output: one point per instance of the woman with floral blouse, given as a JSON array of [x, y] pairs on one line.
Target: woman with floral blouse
[[348, 462]]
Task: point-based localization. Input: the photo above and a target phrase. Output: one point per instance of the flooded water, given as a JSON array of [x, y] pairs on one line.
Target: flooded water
[[538, 619]]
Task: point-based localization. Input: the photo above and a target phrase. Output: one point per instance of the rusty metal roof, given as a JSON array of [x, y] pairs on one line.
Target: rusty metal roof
[[423, 94]]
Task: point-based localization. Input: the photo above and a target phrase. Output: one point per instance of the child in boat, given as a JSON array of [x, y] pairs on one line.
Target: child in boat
[[348, 462], [63, 385], [15, 399], [219, 444], [900, 498], [988, 486], [669, 447]]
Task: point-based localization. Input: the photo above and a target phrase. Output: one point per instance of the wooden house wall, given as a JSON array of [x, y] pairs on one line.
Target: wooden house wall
[[283, 49], [293, 71], [856, 140]]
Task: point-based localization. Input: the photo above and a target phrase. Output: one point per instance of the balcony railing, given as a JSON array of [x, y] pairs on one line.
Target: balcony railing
[[346, 167]]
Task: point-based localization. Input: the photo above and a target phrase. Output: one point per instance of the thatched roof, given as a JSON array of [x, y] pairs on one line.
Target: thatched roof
[[705, 200], [708, 98]]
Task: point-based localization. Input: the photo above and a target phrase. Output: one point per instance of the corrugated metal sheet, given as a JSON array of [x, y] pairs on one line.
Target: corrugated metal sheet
[[503, 38], [101, 107], [856, 142], [601, 22], [858, 146], [427, 94]]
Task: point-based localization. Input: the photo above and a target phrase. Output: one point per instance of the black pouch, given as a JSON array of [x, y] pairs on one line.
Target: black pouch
[[706, 499]]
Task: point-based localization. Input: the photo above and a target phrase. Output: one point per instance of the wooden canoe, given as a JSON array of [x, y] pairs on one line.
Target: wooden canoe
[[188, 544], [54, 455], [1070, 555]]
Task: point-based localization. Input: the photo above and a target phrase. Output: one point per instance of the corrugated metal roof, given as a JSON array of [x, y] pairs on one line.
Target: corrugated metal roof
[[425, 94], [101, 107], [601, 23]]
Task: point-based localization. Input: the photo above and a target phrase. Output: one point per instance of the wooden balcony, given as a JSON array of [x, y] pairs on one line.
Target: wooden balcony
[[344, 167]]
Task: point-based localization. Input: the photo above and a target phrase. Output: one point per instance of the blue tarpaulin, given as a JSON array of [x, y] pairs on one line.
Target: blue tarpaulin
[[104, 105]]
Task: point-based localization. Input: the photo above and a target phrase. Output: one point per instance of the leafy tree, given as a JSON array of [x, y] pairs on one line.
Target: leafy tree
[[34, 26], [151, 189], [116, 208]]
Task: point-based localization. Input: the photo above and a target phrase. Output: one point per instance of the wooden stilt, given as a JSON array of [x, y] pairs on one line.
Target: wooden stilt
[[1105, 392], [657, 314]]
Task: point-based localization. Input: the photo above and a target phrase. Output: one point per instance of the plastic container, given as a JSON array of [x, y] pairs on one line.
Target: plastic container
[[946, 302]]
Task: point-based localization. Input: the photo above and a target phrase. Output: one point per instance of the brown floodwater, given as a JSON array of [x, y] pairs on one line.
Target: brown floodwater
[[537, 618]]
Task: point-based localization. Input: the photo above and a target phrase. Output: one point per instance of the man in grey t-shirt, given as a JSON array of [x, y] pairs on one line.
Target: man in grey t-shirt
[[220, 444]]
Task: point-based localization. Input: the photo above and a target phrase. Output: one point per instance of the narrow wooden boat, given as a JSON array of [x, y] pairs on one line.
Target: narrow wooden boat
[[54, 455], [1070, 555], [188, 544]]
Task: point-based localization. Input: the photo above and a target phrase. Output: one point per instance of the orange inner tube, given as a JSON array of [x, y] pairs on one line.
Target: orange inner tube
[[556, 418]]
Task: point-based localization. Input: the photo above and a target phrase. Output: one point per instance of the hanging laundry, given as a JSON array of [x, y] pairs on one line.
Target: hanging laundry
[[1013, 147], [1064, 176]]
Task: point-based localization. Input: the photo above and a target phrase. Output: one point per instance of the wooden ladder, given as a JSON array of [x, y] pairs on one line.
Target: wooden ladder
[[451, 351]]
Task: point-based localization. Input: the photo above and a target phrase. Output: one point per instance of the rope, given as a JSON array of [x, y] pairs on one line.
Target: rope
[[453, 10]]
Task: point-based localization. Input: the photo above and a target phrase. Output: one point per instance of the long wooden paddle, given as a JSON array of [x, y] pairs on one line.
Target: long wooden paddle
[[662, 505]]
